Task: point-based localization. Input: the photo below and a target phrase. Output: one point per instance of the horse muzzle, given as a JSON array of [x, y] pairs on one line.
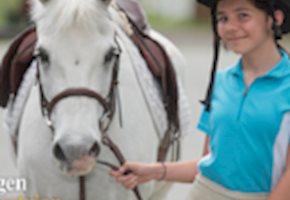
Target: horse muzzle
[[76, 158]]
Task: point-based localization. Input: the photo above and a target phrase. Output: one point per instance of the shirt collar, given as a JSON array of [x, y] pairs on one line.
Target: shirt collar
[[279, 70]]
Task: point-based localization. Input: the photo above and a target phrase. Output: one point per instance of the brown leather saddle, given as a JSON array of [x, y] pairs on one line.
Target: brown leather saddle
[[20, 55], [15, 63]]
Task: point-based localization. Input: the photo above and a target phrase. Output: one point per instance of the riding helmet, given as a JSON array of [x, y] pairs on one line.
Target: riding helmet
[[283, 5]]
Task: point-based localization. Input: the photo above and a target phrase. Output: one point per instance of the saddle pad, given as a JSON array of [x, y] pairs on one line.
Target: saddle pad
[[14, 110], [153, 95]]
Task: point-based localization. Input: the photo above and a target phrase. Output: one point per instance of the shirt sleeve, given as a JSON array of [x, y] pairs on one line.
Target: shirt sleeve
[[203, 123]]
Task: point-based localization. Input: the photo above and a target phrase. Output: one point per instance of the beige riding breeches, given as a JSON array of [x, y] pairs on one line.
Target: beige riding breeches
[[205, 189]]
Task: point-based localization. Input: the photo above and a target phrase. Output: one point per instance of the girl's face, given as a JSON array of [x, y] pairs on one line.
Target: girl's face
[[242, 27]]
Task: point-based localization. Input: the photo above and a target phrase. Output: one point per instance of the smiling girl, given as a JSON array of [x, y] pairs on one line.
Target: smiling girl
[[246, 116]]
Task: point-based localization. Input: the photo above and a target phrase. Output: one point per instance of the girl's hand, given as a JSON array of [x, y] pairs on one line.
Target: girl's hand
[[140, 173]]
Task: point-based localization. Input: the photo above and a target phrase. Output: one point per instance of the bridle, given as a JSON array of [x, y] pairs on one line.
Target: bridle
[[109, 106], [108, 102]]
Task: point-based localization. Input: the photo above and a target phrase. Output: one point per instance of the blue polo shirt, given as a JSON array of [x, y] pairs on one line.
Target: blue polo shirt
[[248, 128]]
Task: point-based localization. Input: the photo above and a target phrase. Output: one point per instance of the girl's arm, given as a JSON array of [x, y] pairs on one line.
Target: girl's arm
[[205, 147], [183, 171], [282, 191]]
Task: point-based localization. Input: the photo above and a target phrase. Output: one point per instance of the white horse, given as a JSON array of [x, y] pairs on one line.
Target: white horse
[[80, 43]]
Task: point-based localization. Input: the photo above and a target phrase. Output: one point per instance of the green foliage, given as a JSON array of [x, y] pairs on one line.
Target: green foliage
[[9, 9], [159, 22]]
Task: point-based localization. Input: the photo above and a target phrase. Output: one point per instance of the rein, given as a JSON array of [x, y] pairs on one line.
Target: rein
[[114, 148]]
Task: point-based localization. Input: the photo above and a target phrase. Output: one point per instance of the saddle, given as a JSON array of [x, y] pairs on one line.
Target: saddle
[[19, 56], [15, 63]]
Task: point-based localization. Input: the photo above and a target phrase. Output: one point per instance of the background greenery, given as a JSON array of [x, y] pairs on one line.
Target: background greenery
[[12, 20], [9, 11]]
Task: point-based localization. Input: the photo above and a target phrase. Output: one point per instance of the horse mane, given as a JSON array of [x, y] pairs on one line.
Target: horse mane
[[61, 15]]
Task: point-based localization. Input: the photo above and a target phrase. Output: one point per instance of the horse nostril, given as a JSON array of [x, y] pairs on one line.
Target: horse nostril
[[95, 150], [58, 152]]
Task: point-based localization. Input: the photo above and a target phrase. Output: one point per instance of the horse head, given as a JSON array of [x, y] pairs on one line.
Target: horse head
[[77, 53]]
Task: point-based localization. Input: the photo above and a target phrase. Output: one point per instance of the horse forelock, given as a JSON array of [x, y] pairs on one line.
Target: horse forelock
[[61, 15]]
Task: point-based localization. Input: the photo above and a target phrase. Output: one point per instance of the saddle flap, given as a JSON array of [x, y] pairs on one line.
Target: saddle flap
[[152, 54], [15, 63], [161, 67]]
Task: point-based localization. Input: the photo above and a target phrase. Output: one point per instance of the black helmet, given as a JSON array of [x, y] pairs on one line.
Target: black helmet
[[283, 5]]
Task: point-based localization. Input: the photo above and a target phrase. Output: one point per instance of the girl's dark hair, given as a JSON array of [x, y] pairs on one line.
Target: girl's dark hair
[[269, 8], [216, 45]]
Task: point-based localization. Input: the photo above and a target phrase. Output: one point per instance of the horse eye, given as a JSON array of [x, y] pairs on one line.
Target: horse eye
[[43, 55], [112, 53]]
